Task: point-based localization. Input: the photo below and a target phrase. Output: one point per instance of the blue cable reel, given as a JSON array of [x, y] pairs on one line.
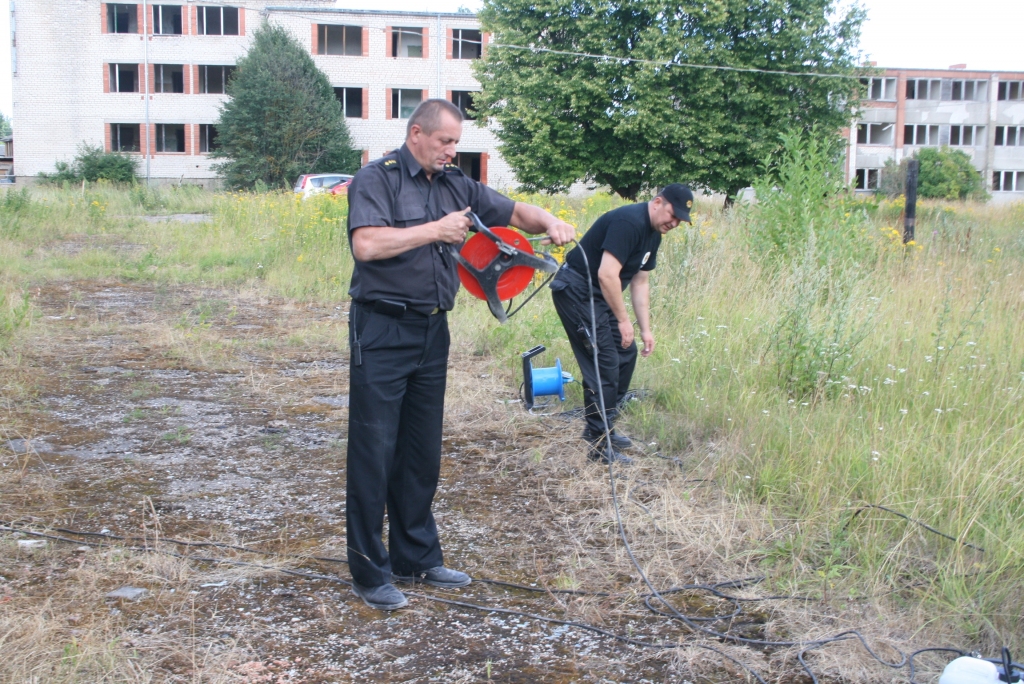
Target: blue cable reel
[[542, 382]]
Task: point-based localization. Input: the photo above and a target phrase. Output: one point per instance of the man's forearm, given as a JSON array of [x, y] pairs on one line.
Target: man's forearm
[[372, 243], [612, 291], [531, 219], [640, 294]]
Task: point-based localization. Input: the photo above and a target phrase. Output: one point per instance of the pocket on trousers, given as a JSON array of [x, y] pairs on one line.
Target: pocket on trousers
[[376, 331]]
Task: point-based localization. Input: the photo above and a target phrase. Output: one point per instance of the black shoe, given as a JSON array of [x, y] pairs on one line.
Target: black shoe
[[384, 597], [599, 454], [438, 577], [619, 441]]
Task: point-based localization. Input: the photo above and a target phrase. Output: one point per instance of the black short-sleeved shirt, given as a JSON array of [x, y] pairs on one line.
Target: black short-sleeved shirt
[[394, 191], [627, 233]]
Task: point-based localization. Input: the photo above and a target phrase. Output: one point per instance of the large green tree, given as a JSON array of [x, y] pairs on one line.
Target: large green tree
[[282, 118], [635, 126]]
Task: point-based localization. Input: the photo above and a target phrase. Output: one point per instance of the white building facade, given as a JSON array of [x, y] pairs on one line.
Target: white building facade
[[149, 78], [978, 112]]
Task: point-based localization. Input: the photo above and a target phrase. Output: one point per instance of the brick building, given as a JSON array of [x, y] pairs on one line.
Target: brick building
[[979, 112], [149, 78]]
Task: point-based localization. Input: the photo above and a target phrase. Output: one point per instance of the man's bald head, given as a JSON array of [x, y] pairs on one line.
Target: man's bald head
[[429, 116]]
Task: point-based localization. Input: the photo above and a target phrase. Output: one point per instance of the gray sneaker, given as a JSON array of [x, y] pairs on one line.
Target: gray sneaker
[[384, 597], [437, 577]]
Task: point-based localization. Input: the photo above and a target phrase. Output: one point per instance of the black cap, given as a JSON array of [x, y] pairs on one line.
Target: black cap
[[681, 199]]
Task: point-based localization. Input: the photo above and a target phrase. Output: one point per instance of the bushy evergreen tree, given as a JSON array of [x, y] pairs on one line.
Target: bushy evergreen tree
[[282, 118], [5, 125], [634, 126]]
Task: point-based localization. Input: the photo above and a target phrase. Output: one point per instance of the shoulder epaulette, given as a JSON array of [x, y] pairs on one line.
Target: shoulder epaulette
[[449, 167]]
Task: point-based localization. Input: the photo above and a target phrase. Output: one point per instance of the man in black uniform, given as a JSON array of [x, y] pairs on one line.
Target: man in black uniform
[[621, 249], [406, 211]]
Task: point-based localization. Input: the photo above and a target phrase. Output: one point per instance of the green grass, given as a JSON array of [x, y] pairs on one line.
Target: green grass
[[921, 411]]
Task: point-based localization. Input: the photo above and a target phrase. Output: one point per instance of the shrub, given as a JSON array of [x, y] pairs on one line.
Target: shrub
[[93, 164], [948, 174]]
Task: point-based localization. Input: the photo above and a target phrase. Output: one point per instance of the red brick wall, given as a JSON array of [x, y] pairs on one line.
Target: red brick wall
[[188, 139], [192, 18], [366, 99], [485, 38], [106, 77], [448, 95], [315, 45], [366, 49], [138, 19], [186, 77], [106, 137], [483, 167], [426, 42], [387, 104], [195, 78], [103, 17], [448, 38], [241, 21], [366, 157], [152, 138], [389, 38]]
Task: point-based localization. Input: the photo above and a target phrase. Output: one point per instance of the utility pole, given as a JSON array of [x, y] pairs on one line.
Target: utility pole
[[910, 209]]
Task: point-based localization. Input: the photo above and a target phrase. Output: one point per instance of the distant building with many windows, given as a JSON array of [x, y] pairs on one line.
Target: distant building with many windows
[[979, 112], [149, 78]]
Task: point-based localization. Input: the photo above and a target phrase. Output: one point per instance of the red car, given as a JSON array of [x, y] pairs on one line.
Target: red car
[[341, 188]]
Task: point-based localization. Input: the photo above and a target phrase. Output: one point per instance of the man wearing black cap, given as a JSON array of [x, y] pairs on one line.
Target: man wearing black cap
[[621, 249]]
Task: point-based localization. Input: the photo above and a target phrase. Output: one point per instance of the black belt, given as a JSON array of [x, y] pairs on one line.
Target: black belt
[[396, 309]]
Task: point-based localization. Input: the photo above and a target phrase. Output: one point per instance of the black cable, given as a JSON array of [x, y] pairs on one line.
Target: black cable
[[913, 520], [510, 313]]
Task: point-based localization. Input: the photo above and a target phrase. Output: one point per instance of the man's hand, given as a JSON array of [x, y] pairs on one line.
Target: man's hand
[[626, 331], [561, 233], [648, 339], [453, 227]]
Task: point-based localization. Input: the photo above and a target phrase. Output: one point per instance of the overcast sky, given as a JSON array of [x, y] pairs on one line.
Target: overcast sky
[[984, 34]]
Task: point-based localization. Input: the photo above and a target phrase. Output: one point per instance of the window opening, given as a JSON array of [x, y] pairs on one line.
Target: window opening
[[124, 78], [207, 138], [966, 136], [170, 137], [1009, 136], [875, 133], [168, 78], [920, 134], [1008, 181], [463, 99], [404, 102], [167, 20], [217, 21], [124, 137], [867, 179], [468, 163], [339, 40], [406, 42], [924, 89], [122, 18], [213, 79], [883, 89], [1010, 90], [351, 100], [968, 91], [467, 44]]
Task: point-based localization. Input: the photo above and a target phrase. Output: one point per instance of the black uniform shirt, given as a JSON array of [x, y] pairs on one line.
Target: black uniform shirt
[[394, 191], [627, 233]]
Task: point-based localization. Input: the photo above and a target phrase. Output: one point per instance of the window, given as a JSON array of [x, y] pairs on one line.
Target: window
[[124, 78], [1010, 136], [214, 79], [1008, 90], [880, 88], [919, 134], [404, 102], [406, 42], [966, 136], [875, 133], [351, 100], [924, 89], [339, 40], [463, 99], [866, 179], [170, 137], [1008, 181], [207, 137], [124, 137], [217, 21], [968, 90], [466, 44], [122, 19], [168, 78], [469, 163], [167, 20]]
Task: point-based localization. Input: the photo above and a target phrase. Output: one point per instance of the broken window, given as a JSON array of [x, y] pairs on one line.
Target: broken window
[[124, 137], [867, 179], [207, 138], [167, 20], [404, 102], [463, 99], [920, 134], [339, 40], [875, 133], [1009, 136], [1010, 90], [170, 137], [468, 163], [924, 89], [213, 79], [122, 18], [168, 78], [1008, 181], [217, 21], [966, 136], [124, 78], [968, 90], [466, 44], [880, 88], [351, 100], [406, 42]]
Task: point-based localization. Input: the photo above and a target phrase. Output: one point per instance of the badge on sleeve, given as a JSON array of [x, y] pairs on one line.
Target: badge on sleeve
[[646, 257]]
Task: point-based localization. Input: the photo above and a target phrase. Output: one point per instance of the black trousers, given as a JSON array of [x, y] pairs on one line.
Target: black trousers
[[396, 408], [572, 302]]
